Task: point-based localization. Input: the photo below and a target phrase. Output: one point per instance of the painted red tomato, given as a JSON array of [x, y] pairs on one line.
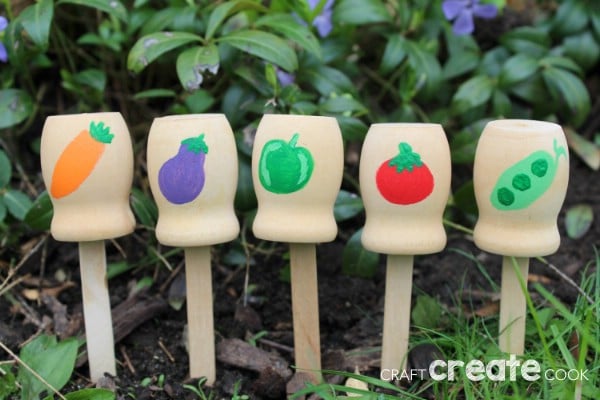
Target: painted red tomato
[[404, 179]]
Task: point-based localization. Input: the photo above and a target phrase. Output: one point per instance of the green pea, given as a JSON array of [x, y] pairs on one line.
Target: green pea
[[525, 181]]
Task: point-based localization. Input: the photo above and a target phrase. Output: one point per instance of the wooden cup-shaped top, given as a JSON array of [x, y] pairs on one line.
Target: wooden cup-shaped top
[[297, 167], [193, 172], [405, 183], [521, 174], [87, 166]]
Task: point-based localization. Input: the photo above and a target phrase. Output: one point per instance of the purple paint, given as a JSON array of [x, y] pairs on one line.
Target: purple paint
[[181, 178]]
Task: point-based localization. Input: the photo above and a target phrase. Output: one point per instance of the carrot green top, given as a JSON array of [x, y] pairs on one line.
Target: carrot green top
[[195, 144], [406, 159], [100, 132]]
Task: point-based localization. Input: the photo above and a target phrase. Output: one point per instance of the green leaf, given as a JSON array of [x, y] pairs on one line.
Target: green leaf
[[17, 203], [534, 42], [289, 27], [2, 209], [224, 10], [51, 360], [144, 208], [263, 45], [235, 102], [154, 93], [112, 7], [464, 198], [16, 105], [501, 104], [517, 68], [342, 105], [245, 198], [393, 54], [91, 77], [5, 169], [327, 80], [571, 17], [194, 62], [40, 214], [8, 383], [473, 93], [578, 220], [561, 62], [359, 12], [353, 129], [347, 205], [492, 61], [36, 20], [426, 312], [464, 143], [150, 47], [356, 260], [199, 101], [460, 64], [588, 151], [425, 64], [583, 49], [91, 394], [568, 88]]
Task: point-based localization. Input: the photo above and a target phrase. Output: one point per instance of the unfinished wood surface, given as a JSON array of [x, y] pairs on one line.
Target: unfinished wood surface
[[396, 315], [96, 309], [198, 278], [305, 309], [513, 305]]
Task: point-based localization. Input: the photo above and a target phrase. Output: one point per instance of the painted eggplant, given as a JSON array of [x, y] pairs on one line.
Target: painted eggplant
[[181, 178]]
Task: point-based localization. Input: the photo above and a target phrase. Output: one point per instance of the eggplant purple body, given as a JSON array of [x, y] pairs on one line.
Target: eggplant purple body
[[181, 178]]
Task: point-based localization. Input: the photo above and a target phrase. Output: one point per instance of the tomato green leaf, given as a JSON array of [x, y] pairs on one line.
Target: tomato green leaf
[[112, 7], [289, 27], [5, 169], [263, 45], [356, 260], [17, 203], [40, 214], [578, 220], [16, 105], [194, 62], [150, 47]]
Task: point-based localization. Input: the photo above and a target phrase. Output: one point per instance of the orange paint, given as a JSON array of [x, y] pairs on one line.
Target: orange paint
[[78, 159]]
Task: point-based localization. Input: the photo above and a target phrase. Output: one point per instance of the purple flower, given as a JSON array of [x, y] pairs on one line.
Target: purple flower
[[463, 11], [284, 78], [3, 52], [322, 21]]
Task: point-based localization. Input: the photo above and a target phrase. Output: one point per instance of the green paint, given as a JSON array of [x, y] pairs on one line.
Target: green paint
[[406, 159], [101, 133], [283, 167], [525, 181], [195, 144]]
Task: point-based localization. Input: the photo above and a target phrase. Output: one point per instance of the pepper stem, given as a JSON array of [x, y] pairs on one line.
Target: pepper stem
[[294, 140], [406, 159]]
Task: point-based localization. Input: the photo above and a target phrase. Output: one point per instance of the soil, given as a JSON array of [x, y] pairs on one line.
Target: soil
[[152, 358]]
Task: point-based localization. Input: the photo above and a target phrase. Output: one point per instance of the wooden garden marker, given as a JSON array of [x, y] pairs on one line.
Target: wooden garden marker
[[87, 166], [297, 167], [405, 182], [521, 174], [193, 172]]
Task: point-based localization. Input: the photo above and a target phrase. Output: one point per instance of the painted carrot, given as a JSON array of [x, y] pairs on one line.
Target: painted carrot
[[78, 159]]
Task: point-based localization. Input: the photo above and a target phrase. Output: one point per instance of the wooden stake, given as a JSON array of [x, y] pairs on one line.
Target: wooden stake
[[96, 309], [305, 309], [513, 305], [198, 278], [396, 316]]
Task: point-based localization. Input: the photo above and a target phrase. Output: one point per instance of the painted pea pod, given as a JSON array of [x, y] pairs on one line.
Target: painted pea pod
[[524, 182], [181, 178]]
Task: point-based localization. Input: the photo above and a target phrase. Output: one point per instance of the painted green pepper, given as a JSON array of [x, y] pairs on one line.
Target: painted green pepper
[[524, 182]]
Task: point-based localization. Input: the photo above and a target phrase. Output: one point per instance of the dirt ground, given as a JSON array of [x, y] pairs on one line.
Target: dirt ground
[[350, 308]]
